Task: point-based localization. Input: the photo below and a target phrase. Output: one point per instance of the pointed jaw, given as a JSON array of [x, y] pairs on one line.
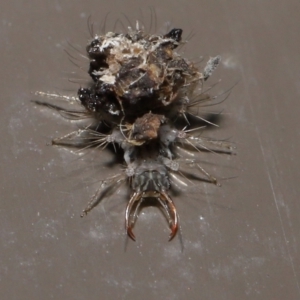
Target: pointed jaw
[[165, 201]]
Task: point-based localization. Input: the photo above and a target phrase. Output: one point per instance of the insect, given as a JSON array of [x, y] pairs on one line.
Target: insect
[[143, 101]]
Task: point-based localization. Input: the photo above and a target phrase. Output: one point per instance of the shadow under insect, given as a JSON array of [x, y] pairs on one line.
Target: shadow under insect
[[143, 106]]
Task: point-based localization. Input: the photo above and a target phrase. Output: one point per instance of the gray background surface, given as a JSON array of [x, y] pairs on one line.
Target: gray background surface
[[241, 241]]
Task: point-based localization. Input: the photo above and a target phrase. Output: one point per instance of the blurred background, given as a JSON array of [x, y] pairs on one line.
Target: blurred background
[[241, 240]]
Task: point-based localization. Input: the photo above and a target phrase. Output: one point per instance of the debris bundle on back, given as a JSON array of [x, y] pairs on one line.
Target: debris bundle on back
[[143, 100]]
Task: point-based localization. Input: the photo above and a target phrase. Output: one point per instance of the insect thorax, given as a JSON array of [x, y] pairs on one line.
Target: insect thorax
[[150, 177]]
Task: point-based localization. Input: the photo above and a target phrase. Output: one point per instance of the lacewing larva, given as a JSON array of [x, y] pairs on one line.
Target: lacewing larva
[[143, 101]]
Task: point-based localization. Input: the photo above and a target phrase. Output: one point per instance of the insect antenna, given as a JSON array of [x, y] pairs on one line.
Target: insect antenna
[[104, 23], [90, 26]]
